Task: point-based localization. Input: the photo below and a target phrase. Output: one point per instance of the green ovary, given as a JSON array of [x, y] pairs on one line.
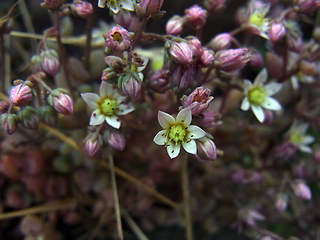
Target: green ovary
[[256, 96], [177, 134], [109, 107], [295, 138]]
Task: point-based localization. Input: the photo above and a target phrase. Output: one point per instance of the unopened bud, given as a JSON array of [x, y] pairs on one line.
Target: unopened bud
[[195, 45], [82, 8], [207, 58], [48, 115], [175, 25], [116, 140], [196, 16], [61, 101], [50, 62], [180, 51], [4, 106], [9, 122], [301, 190], [20, 94], [118, 39], [28, 117], [93, 145], [131, 88], [207, 149], [277, 31], [220, 42], [307, 6], [281, 203], [52, 4], [36, 63], [198, 101], [256, 59], [233, 59], [146, 8]]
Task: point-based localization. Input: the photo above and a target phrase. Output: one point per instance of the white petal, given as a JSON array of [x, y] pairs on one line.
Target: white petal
[[190, 146], [127, 4], [261, 77], [113, 121], [195, 132], [125, 109], [258, 112], [106, 89], [247, 85], [295, 83], [160, 138], [91, 99], [245, 105], [184, 116], [271, 104], [272, 88], [306, 149], [96, 118], [114, 7], [102, 3], [301, 128], [173, 150], [164, 119], [307, 140]]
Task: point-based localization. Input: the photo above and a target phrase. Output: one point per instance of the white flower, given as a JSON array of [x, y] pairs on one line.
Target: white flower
[[115, 5], [257, 96], [298, 137], [300, 77], [108, 106], [178, 132], [257, 20]]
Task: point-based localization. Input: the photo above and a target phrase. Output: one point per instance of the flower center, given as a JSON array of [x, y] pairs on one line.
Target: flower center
[[109, 107], [295, 138], [117, 37], [258, 19], [177, 133], [257, 95]]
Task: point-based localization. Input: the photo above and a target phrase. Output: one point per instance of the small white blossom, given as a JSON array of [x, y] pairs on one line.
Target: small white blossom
[[257, 96], [298, 137], [178, 132], [108, 106], [257, 20], [115, 5]]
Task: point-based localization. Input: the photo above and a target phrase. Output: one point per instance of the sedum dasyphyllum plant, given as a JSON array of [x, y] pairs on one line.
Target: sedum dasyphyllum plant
[[103, 104]]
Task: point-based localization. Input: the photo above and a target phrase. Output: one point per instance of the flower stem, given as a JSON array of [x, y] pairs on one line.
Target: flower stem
[[115, 196], [186, 197]]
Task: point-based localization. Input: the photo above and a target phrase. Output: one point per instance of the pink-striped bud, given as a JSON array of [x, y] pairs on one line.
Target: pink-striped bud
[[196, 46], [61, 102], [221, 41], [116, 140], [9, 122], [146, 8], [277, 31], [175, 25], [50, 62], [20, 94], [131, 88], [4, 106], [118, 39], [82, 8], [301, 190], [281, 203], [180, 52], [207, 58], [233, 59], [198, 101], [93, 145], [196, 16], [206, 150]]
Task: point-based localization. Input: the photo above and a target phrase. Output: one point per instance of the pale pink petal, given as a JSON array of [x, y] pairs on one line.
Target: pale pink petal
[[96, 118], [164, 119], [245, 105], [261, 78], [258, 112], [91, 99], [195, 132], [184, 116], [125, 109], [173, 150], [190, 146], [160, 138], [106, 89], [271, 104], [127, 4], [113, 121]]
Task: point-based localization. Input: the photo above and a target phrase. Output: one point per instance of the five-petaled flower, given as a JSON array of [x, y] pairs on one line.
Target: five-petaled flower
[[257, 96], [178, 132], [108, 106], [257, 21], [115, 5], [297, 136]]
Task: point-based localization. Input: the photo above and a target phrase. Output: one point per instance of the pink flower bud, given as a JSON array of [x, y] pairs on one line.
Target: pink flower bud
[[233, 59], [195, 46], [4, 106], [276, 31], [207, 149], [52, 4], [307, 6], [61, 101], [196, 16], [207, 58], [93, 145], [198, 101], [131, 88], [211, 118], [180, 52], [9, 122], [301, 190], [50, 62], [221, 41], [29, 118], [82, 8], [118, 39], [175, 25], [146, 8], [281, 203], [256, 59], [117, 140], [108, 74], [20, 94]]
